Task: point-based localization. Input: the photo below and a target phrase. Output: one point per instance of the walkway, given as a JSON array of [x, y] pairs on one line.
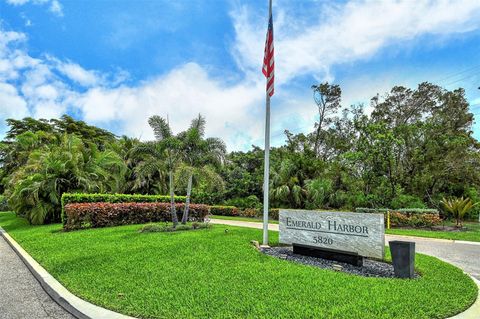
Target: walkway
[[465, 255], [21, 295]]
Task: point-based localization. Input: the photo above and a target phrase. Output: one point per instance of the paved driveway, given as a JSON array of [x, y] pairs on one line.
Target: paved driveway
[[465, 255], [21, 295]]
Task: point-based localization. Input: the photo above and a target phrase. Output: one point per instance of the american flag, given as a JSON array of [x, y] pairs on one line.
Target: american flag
[[268, 62]]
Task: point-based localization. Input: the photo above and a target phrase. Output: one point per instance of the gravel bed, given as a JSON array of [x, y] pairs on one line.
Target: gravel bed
[[371, 268]]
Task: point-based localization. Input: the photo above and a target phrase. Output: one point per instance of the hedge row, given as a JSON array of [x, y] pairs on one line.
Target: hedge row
[[68, 198], [407, 217], [224, 210], [93, 215], [398, 219], [247, 212], [405, 211]]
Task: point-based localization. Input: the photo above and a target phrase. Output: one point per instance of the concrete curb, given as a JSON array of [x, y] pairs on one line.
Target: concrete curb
[[474, 311], [71, 303]]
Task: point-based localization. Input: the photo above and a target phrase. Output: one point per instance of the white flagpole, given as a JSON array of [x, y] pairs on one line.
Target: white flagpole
[[266, 172]]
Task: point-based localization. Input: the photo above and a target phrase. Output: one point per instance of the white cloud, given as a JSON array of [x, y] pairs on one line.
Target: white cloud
[[344, 34], [56, 8], [54, 5], [305, 45], [180, 94], [78, 74]]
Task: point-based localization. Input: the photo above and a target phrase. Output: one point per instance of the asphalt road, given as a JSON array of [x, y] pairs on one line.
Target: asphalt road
[[21, 296]]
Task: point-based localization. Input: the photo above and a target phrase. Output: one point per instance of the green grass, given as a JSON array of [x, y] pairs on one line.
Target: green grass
[[471, 234], [209, 273], [243, 219]]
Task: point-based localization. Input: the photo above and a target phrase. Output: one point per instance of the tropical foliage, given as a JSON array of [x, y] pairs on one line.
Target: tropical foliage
[[411, 149], [458, 208]]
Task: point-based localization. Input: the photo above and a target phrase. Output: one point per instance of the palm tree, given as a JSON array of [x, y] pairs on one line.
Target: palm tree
[[161, 154], [286, 186], [36, 188], [197, 154]]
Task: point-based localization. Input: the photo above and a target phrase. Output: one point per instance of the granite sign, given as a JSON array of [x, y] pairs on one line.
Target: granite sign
[[355, 233]]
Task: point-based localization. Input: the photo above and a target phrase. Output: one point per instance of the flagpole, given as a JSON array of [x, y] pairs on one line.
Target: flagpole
[[266, 172]]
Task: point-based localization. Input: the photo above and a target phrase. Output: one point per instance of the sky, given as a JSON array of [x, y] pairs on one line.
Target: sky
[[115, 63]]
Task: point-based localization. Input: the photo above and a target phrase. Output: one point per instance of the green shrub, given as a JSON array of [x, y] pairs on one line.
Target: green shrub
[[251, 201], [407, 201], [93, 215], [273, 213], [3, 203], [224, 210], [407, 211], [68, 198], [398, 219], [250, 212], [407, 217]]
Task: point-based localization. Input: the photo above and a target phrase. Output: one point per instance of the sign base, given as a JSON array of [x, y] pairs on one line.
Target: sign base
[[330, 254]]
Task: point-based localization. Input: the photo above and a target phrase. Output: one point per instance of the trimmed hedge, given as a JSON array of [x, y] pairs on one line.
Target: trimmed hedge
[[248, 212], [224, 210], [407, 211], [411, 217], [398, 219], [68, 198], [94, 215]]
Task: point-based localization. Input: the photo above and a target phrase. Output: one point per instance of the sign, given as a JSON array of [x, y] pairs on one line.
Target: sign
[[354, 233]]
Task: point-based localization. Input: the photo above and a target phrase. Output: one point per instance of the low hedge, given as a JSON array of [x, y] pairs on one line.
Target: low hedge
[[224, 210], [407, 211], [68, 198], [94, 215], [410, 217], [398, 219]]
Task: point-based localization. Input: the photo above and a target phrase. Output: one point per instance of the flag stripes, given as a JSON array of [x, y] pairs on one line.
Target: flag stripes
[[268, 61]]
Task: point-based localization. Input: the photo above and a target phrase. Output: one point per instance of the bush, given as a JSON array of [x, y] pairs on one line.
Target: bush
[[93, 215], [224, 210], [273, 213], [250, 212], [251, 201], [3, 204], [406, 211], [407, 217], [68, 198], [407, 201], [398, 219]]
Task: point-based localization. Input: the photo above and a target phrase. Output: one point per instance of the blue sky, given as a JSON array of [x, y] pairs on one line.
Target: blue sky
[[114, 63]]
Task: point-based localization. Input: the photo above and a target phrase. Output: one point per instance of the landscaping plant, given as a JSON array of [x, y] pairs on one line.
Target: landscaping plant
[[458, 208]]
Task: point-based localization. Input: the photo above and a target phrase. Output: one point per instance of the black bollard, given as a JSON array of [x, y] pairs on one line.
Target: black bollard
[[403, 258]]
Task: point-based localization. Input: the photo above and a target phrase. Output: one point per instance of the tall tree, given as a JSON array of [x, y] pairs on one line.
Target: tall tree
[[165, 149], [327, 97], [197, 153]]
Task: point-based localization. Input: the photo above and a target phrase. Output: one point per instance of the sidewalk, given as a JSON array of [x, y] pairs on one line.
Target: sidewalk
[[21, 295], [463, 254]]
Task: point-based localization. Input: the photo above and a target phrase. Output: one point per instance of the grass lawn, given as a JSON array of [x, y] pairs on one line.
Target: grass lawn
[[209, 273], [243, 219], [471, 234]]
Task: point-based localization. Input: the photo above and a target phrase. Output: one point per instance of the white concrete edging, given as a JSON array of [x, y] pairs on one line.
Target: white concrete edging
[[474, 311], [71, 303]]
